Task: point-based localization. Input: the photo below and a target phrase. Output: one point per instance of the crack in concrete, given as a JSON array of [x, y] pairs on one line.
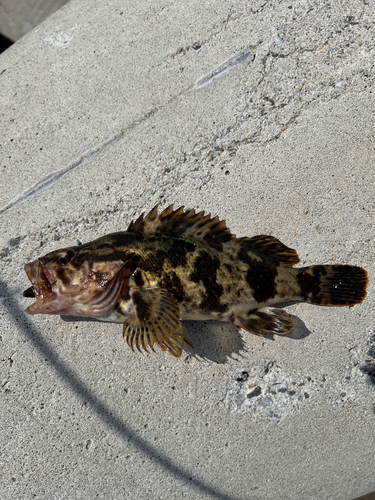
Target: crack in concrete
[[87, 157], [258, 95], [54, 177], [232, 146], [214, 31], [226, 66]]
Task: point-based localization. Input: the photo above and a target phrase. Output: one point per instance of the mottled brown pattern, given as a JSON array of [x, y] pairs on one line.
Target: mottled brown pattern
[[180, 264], [172, 282]]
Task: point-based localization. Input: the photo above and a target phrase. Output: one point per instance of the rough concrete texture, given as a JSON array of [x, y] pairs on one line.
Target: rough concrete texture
[[262, 112], [18, 17]]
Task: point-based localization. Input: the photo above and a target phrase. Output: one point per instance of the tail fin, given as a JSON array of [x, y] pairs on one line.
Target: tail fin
[[333, 285]]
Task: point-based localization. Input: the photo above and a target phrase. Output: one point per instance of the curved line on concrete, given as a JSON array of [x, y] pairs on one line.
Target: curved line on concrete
[[105, 413]]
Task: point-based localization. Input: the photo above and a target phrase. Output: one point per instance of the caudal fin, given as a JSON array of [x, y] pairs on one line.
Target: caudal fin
[[333, 285]]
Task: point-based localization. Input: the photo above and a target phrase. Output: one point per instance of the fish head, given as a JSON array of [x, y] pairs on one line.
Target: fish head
[[77, 281]]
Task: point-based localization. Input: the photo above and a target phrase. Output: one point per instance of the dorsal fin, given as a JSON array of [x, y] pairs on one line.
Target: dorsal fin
[[271, 248], [187, 224]]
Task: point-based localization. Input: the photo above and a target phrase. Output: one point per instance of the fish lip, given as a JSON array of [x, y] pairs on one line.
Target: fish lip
[[41, 284]]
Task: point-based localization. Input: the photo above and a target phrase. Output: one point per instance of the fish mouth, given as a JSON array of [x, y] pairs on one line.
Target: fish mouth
[[41, 287], [89, 300]]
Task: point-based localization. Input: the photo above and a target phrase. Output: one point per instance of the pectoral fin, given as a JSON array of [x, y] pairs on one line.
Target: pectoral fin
[[154, 318], [267, 319]]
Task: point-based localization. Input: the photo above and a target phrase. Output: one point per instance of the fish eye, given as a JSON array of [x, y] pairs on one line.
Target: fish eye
[[64, 259]]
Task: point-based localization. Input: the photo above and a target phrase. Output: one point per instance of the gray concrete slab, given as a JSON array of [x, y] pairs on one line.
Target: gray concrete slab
[[263, 114]]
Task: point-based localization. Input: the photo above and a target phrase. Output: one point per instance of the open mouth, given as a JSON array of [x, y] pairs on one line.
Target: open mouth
[[30, 292], [41, 287]]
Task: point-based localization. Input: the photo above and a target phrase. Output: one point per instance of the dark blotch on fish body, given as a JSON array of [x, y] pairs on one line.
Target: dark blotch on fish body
[[261, 279], [173, 284], [310, 283], [206, 272]]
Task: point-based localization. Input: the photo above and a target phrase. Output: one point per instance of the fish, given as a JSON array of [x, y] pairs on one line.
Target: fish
[[184, 265]]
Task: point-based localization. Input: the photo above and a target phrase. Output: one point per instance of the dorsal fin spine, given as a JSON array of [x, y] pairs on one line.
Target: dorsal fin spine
[[179, 222]]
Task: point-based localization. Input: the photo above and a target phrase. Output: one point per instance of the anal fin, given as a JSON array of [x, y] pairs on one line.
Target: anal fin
[[267, 319], [153, 317]]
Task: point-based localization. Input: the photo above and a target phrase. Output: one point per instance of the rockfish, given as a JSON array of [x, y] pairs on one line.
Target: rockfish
[[182, 265]]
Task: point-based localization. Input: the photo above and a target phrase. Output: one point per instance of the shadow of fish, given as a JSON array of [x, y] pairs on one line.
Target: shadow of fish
[[180, 265]]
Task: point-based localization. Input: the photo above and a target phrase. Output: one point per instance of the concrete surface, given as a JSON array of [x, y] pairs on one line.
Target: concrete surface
[[18, 17], [260, 112]]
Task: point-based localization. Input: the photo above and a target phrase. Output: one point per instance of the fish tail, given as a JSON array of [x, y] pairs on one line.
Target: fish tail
[[334, 285]]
